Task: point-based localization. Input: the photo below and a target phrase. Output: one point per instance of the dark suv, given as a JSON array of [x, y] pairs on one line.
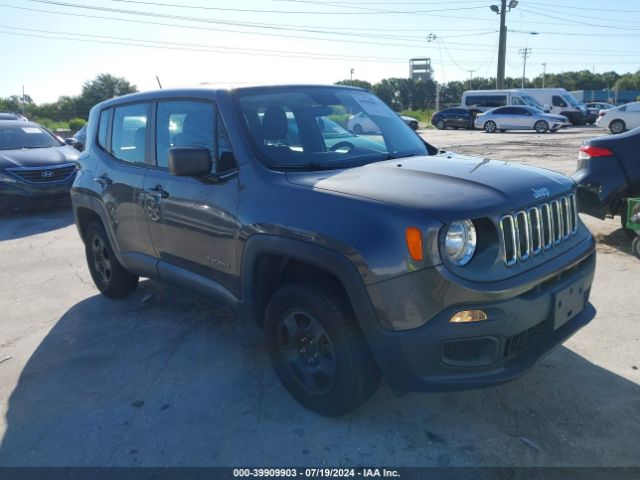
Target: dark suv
[[360, 255]]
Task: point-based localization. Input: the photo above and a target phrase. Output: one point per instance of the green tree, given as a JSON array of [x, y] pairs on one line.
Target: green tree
[[103, 87], [355, 83]]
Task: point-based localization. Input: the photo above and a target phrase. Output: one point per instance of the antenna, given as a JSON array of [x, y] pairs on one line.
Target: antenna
[[159, 84]]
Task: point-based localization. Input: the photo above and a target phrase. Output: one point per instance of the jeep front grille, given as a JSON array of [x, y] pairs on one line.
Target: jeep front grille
[[528, 233]]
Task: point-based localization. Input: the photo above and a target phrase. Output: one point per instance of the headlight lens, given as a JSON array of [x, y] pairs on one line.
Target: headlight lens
[[460, 242]]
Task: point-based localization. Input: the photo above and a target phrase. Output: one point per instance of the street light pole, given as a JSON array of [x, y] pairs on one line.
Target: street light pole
[[351, 76], [525, 52], [502, 46], [544, 73]]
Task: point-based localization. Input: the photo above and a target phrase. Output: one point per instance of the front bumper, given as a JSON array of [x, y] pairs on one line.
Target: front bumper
[[525, 323], [20, 193]]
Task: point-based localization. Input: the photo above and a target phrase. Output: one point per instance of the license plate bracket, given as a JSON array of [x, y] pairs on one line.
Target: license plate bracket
[[568, 303]]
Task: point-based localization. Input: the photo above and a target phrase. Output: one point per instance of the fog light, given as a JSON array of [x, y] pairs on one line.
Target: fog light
[[467, 316]]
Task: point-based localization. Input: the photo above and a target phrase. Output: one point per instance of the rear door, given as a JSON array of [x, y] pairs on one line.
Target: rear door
[[124, 154], [192, 221]]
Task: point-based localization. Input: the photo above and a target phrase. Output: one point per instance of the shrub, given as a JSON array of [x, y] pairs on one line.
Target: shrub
[[76, 123]]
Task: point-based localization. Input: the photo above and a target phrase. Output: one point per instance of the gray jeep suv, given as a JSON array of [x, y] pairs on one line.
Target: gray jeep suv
[[361, 256]]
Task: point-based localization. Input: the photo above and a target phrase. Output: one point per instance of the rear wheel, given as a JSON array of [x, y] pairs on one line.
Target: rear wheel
[[623, 221], [635, 246], [440, 125], [317, 350], [111, 278], [357, 129], [541, 126], [617, 126], [490, 126]]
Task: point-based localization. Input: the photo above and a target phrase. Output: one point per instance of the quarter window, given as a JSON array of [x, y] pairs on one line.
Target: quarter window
[[103, 125], [184, 123], [128, 139]]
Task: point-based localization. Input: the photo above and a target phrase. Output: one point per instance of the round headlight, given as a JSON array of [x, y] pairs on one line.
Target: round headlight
[[460, 242]]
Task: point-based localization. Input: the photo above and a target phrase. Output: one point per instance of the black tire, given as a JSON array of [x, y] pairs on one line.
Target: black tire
[[623, 221], [357, 129], [617, 126], [111, 278], [635, 246], [541, 126], [490, 126], [317, 349], [441, 125]]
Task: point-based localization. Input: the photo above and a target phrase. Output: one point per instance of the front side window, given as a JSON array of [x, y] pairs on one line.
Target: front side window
[[323, 127], [558, 102], [517, 101], [129, 133], [184, 123]]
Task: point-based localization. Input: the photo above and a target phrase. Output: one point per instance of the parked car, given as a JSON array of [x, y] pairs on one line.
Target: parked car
[[520, 118], [79, 140], [401, 260], [35, 167], [456, 117], [412, 122], [599, 106], [593, 111], [619, 119], [12, 116], [362, 123], [608, 173]]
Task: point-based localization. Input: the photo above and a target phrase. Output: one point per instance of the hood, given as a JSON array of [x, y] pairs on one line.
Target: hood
[[38, 157], [446, 186]]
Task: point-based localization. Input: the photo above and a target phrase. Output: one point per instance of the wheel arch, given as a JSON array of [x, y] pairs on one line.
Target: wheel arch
[[270, 261]]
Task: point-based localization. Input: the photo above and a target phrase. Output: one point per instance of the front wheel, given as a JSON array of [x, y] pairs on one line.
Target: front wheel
[[111, 278], [541, 126], [617, 126], [635, 246], [490, 126], [317, 349]]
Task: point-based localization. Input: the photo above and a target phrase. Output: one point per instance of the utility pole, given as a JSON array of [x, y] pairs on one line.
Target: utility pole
[[525, 52], [502, 47], [470, 77], [351, 76], [544, 73]]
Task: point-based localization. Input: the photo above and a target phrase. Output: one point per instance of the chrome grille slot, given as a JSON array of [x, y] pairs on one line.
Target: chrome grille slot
[[536, 230], [523, 234], [528, 233], [508, 234]]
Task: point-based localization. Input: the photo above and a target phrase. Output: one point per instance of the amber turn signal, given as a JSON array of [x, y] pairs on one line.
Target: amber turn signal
[[414, 243], [467, 316]]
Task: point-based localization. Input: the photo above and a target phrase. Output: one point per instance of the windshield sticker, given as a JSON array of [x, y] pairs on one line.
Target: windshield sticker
[[372, 105], [31, 130]]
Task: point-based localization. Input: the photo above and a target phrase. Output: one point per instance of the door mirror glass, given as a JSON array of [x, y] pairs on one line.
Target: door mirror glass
[[189, 161]]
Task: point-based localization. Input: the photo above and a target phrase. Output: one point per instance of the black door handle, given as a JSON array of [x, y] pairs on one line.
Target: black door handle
[[103, 180], [158, 192]]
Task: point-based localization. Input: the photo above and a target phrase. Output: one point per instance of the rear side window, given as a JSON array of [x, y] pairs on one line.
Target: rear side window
[[129, 133], [488, 101], [184, 123], [103, 125]]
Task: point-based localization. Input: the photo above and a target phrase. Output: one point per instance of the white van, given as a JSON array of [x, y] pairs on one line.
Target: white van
[[559, 102], [484, 100]]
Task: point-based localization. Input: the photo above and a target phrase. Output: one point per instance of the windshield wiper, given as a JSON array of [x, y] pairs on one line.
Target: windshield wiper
[[309, 167]]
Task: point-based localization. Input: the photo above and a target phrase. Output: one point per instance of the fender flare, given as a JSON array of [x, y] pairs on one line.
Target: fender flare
[[335, 263]]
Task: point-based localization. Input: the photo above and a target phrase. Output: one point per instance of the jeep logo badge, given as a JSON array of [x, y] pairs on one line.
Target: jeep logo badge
[[540, 192], [47, 174]]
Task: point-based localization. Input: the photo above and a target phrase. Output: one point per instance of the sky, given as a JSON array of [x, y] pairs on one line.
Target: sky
[[52, 47]]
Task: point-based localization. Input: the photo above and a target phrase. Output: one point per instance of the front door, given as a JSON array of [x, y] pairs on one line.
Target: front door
[[192, 221]]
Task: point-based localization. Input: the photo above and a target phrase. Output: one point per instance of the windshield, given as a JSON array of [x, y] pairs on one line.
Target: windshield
[[13, 137], [570, 100], [324, 127], [532, 102]]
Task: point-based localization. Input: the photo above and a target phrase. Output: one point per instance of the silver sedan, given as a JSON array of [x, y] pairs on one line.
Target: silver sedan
[[520, 118]]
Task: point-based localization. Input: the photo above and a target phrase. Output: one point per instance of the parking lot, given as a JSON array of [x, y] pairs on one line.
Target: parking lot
[[162, 378]]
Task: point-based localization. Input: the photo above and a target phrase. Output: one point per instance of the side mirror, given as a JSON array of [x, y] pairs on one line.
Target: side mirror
[[69, 141], [546, 108], [189, 161], [78, 146]]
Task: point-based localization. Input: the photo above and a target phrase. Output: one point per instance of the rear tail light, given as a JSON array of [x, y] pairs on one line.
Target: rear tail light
[[589, 151]]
